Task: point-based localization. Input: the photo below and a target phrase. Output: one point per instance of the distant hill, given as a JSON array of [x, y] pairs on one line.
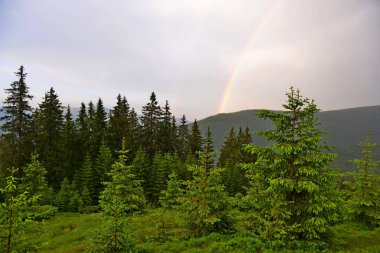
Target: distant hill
[[346, 129]]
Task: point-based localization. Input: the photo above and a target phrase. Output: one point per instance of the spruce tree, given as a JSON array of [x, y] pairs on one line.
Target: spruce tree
[[103, 165], [82, 128], [162, 166], [151, 120], [195, 140], [34, 181], [72, 159], [100, 125], [293, 192], [17, 122], [182, 141], [169, 198], [121, 197], [205, 204], [89, 177], [167, 139], [134, 135], [364, 189], [141, 168], [49, 122], [232, 155], [92, 145], [119, 123]]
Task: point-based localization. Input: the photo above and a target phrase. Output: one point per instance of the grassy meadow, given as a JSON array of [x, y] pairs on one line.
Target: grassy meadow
[[160, 230]]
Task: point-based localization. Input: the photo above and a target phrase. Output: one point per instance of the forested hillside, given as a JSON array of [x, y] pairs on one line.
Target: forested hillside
[[128, 167], [345, 128]]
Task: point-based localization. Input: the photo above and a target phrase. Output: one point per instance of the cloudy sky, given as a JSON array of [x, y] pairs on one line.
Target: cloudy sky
[[203, 56]]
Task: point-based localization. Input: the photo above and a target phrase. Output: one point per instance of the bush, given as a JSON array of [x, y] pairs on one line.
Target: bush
[[40, 213]]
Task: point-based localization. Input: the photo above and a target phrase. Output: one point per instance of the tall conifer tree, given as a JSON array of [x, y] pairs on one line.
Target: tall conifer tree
[[292, 189], [150, 119], [195, 140], [49, 123], [183, 136], [17, 122]]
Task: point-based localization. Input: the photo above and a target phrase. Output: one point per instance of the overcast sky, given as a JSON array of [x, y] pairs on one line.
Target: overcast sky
[[203, 56]]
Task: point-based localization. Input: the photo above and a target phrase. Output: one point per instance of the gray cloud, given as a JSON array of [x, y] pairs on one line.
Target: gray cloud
[[185, 51]]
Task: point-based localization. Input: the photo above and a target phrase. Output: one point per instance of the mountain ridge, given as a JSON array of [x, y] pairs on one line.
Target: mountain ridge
[[345, 128]]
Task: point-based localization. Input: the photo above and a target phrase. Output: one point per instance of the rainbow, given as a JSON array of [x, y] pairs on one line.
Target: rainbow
[[247, 46]]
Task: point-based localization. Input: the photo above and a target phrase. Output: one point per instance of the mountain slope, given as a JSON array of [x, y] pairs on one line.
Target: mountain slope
[[346, 129]]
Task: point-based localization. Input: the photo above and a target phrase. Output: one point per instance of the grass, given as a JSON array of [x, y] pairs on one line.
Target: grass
[[68, 232], [159, 230]]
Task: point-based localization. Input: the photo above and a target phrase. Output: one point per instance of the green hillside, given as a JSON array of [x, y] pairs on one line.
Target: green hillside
[[346, 129]]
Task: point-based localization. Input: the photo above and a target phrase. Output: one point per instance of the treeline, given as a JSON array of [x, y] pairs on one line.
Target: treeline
[[121, 163], [78, 153]]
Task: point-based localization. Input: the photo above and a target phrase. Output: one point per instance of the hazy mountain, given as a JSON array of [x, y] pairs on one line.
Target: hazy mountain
[[346, 129]]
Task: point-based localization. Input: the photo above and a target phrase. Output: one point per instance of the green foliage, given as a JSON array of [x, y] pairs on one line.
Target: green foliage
[[13, 215], [67, 199], [103, 165], [41, 213], [34, 181], [71, 146], [122, 196], [16, 124], [231, 155], [162, 166], [195, 140], [170, 197], [167, 131], [205, 204], [363, 194], [293, 193], [89, 177], [48, 132], [150, 119], [182, 140]]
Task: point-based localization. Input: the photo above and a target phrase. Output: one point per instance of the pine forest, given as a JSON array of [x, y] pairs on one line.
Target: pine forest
[[131, 180]]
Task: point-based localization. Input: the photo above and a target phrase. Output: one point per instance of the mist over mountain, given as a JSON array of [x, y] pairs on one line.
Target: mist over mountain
[[345, 128]]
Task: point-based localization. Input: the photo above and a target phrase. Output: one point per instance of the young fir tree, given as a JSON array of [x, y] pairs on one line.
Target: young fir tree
[[169, 198], [121, 197], [34, 181], [162, 166], [49, 122], [103, 165], [89, 178], [17, 122], [67, 199], [13, 215], [364, 189], [292, 190], [205, 203]]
